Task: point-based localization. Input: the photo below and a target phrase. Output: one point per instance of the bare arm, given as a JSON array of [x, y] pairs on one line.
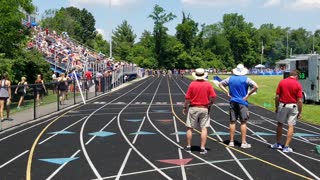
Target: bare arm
[[254, 89], [299, 107], [186, 106], [276, 102], [224, 89]]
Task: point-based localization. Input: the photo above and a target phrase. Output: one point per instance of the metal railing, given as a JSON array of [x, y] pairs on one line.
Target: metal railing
[[39, 102]]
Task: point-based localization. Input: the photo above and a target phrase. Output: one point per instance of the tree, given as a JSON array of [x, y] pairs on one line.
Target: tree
[[80, 24], [123, 40], [239, 34], [160, 33], [13, 33], [187, 31]]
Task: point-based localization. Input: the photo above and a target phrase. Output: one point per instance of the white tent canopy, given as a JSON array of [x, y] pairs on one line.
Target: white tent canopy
[[260, 66]]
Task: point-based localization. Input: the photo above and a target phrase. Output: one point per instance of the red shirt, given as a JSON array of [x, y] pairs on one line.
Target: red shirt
[[289, 90], [88, 75], [199, 93]]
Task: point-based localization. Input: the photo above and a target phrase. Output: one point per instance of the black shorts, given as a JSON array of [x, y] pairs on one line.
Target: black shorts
[[238, 111], [4, 98]]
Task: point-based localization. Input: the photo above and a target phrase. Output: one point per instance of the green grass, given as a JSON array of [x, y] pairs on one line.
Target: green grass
[[266, 93]]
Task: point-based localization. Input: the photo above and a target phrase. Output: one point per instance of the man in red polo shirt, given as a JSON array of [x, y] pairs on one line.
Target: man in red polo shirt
[[199, 97], [288, 104]]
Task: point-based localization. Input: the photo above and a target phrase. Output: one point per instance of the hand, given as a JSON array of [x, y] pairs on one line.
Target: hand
[[246, 97], [299, 116], [184, 111]]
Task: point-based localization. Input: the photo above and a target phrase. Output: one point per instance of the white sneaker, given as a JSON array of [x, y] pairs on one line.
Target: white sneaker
[[245, 145], [287, 150], [231, 143]]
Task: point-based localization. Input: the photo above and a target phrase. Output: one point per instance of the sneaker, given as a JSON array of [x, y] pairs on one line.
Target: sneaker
[[245, 145], [231, 143], [287, 150], [188, 149], [276, 146], [203, 151]]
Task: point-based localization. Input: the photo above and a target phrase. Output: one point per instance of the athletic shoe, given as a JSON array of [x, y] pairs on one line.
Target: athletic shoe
[[231, 143], [188, 149], [276, 146], [203, 151], [287, 150], [245, 145]]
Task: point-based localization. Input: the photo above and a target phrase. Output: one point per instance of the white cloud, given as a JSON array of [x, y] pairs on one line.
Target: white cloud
[[270, 3], [102, 32], [102, 2], [215, 3], [305, 4]]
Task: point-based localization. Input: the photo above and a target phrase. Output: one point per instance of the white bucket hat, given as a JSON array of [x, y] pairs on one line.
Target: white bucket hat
[[199, 74], [240, 70]]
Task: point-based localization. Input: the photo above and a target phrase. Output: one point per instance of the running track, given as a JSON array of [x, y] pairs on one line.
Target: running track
[[138, 132]]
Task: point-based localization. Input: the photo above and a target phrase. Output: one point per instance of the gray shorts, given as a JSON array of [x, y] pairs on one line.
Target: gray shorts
[[287, 113], [198, 117], [238, 111]]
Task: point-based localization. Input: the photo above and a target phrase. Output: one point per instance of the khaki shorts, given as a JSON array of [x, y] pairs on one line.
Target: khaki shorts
[[238, 111], [287, 113], [198, 117]]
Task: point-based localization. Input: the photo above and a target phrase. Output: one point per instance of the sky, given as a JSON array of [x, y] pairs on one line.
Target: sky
[[111, 13]]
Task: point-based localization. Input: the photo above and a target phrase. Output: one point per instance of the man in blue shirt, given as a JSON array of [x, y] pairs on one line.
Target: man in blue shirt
[[238, 94]]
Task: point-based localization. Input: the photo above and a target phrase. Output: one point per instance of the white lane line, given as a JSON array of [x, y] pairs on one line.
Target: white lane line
[[233, 156], [298, 164], [179, 146], [57, 170], [101, 130], [269, 119], [11, 160], [183, 171], [176, 167], [83, 148], [130, 144], [308, 142], [265, 118], [27, 129], [266, 142], [295, 138], [62, 130], [64, 164], [304, 168], [129, 152]]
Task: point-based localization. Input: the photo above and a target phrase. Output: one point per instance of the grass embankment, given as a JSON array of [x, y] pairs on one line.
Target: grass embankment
[[266, 93]]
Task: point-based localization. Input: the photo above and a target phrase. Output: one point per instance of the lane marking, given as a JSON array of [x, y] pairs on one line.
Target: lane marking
[[237, 150], [183, 171], [62, 130], [27, 128], [129, 152], [101, 130], [178, 145], [29, 162], [266, 142], [11, 160], [130, 144], [175, 167], [57, 170], [233, 156]]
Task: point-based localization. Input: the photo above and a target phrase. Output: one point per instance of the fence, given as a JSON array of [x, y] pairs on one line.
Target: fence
[[41, 102]]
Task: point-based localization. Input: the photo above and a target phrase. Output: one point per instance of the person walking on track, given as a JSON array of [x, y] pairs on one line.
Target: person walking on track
[[198, 100], [288, 104], [238, 93], [5, 96]]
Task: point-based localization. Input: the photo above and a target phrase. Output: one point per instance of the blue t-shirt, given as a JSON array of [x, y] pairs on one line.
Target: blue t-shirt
[[238, 88]]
